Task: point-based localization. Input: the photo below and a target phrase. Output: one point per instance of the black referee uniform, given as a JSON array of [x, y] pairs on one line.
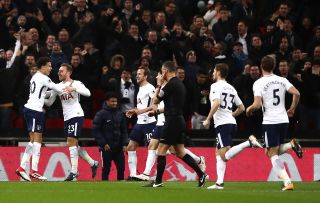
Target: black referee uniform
[[173, 96]]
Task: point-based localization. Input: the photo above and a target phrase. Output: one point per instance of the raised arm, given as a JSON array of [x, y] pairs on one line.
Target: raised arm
[[16, 50], [158, 94]]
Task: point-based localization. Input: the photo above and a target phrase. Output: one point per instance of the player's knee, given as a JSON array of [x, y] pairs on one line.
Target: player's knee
[[162, 151], [270, 152], [72, 142], [131, 147], [172, 151], [153, 145], [37, 138], [223, 157]]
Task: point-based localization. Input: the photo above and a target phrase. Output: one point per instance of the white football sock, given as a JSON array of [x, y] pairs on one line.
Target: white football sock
[[278, 167], [195, 157], [26, 156], [151, 159], [284, 148], [35, 155], [233, 151], [132, 162], [74, 158], [221, 169], [85, 156]]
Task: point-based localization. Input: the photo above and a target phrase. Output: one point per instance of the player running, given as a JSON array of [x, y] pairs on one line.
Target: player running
[[223, 98], [269, 93]]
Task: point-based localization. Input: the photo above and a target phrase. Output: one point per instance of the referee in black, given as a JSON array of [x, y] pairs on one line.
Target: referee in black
[[173, 95]]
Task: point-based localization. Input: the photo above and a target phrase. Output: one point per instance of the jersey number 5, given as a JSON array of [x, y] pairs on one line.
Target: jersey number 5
[[276, 98]]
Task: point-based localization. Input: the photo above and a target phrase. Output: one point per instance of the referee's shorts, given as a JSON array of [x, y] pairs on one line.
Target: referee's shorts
[[173, 131]]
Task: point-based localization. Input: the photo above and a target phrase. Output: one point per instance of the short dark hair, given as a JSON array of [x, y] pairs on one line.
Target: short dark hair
[[284, 61], [127, 70], [146, 70], [223, 68], [267, 63], [134, 24], [245, 22], [255, 35], [170, 66], [68, 66], [42, 61], [180, 67], [224, 8], [168, 2], [109, 95]]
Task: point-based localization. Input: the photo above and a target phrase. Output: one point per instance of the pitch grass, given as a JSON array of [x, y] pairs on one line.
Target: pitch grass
[[172, 192]]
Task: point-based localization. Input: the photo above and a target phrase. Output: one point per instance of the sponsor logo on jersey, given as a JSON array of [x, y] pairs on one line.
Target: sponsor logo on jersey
[[65, 97]]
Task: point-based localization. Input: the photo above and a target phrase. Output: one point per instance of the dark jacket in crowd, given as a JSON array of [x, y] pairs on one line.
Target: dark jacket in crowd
[[8, 82], [310, 94], [109, 127]]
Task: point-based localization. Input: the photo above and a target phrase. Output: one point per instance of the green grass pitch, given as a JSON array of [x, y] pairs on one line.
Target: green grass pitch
[[172, 192]]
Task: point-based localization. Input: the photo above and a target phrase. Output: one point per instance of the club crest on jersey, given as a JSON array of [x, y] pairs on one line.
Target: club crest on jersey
[[66, 96]]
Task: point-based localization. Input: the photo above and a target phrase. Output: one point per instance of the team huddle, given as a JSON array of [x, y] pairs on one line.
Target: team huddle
[[69, 92], [160, 123]]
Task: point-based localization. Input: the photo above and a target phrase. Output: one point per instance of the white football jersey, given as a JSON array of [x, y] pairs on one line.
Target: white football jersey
[[144, 97], [70, 101], [272, 90], [161, 119], [39, 85], [228, 98], [127, 94]]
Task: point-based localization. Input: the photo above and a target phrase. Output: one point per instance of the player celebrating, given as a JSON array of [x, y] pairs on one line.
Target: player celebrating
[[73, 117], [35, 118], [143, 128], [269, 93], [223, 97]]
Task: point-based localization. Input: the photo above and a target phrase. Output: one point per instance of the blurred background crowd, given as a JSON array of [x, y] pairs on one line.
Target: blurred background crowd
[[105, 41]]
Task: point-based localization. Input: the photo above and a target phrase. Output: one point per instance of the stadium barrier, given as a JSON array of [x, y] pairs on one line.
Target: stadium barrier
[[194, 138], [250, 165]]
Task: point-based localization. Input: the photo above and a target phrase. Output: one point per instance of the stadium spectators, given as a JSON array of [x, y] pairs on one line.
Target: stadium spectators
[[169, 29]]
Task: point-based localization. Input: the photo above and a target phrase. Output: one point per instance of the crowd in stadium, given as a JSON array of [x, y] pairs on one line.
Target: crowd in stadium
[[105, 41]]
